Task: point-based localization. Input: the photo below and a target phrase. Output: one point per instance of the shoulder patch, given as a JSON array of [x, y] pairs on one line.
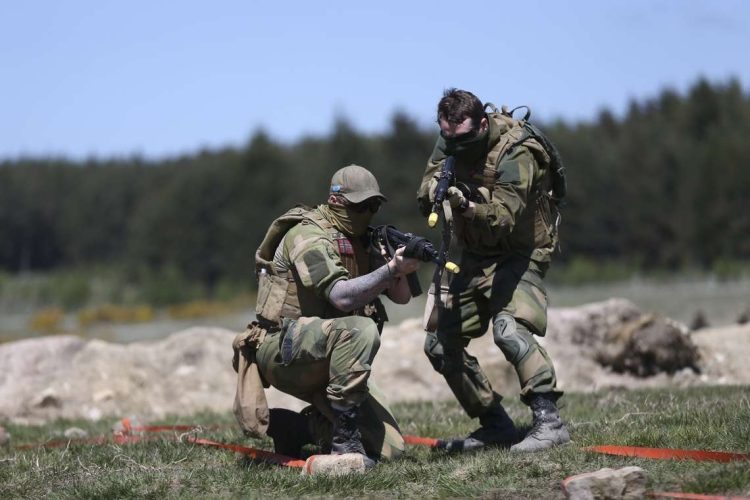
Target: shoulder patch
[[509, 172], [344, 246]]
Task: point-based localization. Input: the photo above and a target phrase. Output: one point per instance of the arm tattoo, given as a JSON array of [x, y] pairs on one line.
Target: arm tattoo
[[351, 294]]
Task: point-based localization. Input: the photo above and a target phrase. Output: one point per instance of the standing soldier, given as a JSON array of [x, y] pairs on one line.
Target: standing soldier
[[318, 326], [506, 227]]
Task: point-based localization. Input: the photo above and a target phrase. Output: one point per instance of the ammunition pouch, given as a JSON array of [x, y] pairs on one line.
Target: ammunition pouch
[[277, 298]]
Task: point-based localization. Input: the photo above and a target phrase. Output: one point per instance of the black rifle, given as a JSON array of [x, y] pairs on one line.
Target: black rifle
[[416, 247], [446, 179]]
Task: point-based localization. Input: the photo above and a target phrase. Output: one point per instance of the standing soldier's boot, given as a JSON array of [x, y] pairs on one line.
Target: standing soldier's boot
[[346, 435], [496, 429], [547, 429]]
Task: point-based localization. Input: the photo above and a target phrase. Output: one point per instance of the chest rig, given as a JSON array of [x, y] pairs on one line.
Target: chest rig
[[282, 296], [479, 180]]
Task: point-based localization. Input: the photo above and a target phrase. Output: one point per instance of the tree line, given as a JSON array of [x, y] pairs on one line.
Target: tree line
[[663, 187]]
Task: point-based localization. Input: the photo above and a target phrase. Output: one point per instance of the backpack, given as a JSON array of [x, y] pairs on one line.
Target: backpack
[[529, 130]]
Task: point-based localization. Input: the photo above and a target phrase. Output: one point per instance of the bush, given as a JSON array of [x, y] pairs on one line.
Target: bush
[[580, 270], [47, 320], [71, 290], [167, 287], [109, 313], [198, 309]]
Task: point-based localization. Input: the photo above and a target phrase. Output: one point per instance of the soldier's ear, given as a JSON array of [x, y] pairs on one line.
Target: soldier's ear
[[483, 124]]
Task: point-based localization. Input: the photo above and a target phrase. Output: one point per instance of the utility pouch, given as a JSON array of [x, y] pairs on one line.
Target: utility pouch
[[432, 306], [272, 291], [250, 406]]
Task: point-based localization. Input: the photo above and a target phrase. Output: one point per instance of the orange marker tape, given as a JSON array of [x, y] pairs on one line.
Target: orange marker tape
[[431, 442], [267, 456], [668, 453]]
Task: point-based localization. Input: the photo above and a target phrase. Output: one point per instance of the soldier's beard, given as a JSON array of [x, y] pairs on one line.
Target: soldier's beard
[[347, 221]]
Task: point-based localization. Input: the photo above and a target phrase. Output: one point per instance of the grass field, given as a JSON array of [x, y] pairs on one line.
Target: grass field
[[700, 418]]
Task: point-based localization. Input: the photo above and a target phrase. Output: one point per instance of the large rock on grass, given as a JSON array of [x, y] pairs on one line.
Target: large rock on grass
[[648, 345], [628, 483]]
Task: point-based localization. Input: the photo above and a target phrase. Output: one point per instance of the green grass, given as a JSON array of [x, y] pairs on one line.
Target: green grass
[[715, 418]]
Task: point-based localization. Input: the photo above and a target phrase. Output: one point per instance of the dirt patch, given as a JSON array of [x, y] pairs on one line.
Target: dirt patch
[[66, 377]]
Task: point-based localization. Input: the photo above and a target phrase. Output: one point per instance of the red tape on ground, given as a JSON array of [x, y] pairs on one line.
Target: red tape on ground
[[431, 442], [266, 456], [668, 453], [692, 496]]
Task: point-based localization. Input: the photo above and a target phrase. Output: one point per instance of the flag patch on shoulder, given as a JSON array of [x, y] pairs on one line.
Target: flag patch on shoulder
[[345, 246]]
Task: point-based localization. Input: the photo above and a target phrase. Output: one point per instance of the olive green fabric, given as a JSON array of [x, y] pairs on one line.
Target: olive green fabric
[[518, 218], [250, 407], [311, 357], [356, 184], [505, 251], [351, 221], [511, 292], [487, 286], [312, 254], [381, 435], [312, 350]]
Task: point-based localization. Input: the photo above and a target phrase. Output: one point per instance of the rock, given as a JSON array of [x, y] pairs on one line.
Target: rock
[[699, 321], [591, 324], [724, 354], [103, 395], [628, 483], [744, 317], [335, 465], [4, 437], [648, 345], [47, 399], [70, 378], [75, 433]]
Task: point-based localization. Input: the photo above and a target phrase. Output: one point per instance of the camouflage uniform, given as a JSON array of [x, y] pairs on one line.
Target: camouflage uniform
[[505, 252], [315, 352]]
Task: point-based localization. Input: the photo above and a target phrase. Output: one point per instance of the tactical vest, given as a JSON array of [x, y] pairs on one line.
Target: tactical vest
[[282, 296], [541, 236]]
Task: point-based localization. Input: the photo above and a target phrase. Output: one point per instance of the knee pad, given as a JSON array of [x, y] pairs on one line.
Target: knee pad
[[505, 332], [441, 361]]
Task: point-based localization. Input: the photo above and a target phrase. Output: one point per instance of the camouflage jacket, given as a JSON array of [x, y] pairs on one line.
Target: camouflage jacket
[[510, 187], [309, 258]]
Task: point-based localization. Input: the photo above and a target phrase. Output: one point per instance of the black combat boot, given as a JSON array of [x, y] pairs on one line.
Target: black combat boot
[[496, 429], [346, 435], [547, 429], [289, 431]]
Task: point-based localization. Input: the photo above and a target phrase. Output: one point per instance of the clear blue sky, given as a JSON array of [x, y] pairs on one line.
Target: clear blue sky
[[102, 78]]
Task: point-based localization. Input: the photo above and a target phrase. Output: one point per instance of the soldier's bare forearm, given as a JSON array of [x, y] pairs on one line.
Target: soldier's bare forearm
[[351, 294]]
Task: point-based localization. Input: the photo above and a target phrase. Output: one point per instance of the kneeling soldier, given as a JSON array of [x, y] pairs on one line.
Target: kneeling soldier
[[318, 326]]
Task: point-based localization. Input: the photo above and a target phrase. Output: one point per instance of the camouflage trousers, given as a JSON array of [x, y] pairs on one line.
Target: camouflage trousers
[[327, 362], [511, 293]]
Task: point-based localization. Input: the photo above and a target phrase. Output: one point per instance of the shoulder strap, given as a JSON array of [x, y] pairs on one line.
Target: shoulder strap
[[276, 231], [515, 135]]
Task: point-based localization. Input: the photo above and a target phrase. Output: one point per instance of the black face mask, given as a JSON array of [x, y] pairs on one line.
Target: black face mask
[[470, 148]]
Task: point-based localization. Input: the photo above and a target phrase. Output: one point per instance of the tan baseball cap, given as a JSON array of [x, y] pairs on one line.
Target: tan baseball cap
[[356, 184]]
